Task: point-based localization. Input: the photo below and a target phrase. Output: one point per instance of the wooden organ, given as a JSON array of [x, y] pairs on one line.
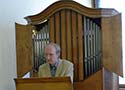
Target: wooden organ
[[90, 38]]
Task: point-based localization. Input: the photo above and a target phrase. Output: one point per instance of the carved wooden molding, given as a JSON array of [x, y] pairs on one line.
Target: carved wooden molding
[[59, 5]]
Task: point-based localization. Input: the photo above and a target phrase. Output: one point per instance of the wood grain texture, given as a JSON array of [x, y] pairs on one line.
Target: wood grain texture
[[59, 83], [24, 49]]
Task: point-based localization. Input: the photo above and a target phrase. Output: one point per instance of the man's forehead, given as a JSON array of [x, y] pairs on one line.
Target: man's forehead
[[50, 48]]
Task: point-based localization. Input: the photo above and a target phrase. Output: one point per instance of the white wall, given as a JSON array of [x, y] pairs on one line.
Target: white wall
[[12, 11]]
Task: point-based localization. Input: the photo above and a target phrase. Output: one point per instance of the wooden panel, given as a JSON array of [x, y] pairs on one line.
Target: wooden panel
[[94, 82], [75, 47], [101, 80], [112, 44], [63, 34], [80, 48], [51, 28], [117, 44], [24, 49], [60, 83], [107, 45], [57, 27], [69, 38]]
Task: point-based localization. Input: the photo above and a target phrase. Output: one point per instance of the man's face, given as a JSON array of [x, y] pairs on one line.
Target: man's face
[[51, 55]]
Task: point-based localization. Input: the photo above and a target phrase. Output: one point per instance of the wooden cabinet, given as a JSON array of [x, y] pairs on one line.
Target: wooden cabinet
[[90, 38], [59, 83]]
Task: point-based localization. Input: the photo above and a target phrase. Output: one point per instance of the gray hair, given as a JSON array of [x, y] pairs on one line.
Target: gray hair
[[56, 46]]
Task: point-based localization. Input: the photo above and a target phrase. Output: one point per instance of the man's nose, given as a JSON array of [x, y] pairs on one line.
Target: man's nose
[[48, 56]]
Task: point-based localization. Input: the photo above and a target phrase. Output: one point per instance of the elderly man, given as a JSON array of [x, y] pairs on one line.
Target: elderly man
[[54, 66]]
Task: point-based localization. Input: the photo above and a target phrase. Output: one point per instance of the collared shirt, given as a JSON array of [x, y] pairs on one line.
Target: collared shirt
[[53, 69]]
